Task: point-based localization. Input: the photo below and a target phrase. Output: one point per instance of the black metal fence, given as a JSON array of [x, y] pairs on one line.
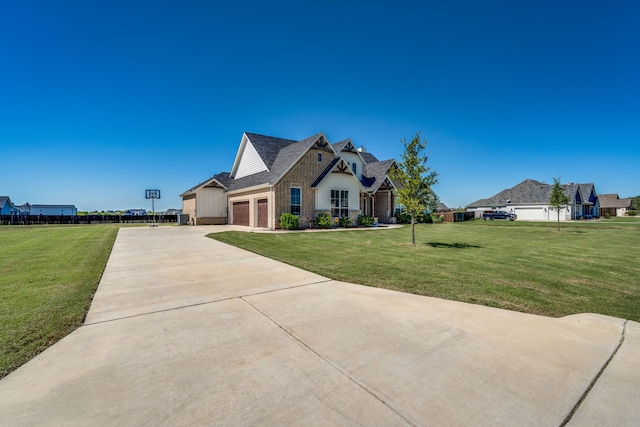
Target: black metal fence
[[84, 219]]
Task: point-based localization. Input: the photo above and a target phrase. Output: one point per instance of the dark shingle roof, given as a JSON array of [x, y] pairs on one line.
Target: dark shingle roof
[[338, 146], [268, 147], [528, 191], [532, 192], [587, 191], [373, 174], [284, 160], [223, 178], [279, 155], [368, 157]]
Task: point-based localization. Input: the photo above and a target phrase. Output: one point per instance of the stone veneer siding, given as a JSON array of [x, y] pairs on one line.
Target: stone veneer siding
[[211, 220], [302, 175]]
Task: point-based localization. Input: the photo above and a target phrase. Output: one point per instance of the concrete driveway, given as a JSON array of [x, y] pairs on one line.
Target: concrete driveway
[[185, 330]]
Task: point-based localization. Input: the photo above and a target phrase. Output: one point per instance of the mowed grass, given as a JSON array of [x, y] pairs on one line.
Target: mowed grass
[[587, 267], [48, 275]]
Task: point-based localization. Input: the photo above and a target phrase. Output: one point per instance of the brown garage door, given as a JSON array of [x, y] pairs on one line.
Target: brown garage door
[[263, 213], [241, 213]]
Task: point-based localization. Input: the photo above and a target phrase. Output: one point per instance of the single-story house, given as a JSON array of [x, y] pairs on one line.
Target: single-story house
[[53, 210], [172, 212], [25, 209], [136, 212], [7, 207], [611, 204], [271, 176], [529, 200]]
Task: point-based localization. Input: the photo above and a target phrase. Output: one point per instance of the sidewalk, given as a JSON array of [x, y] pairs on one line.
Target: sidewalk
[[185, 330]]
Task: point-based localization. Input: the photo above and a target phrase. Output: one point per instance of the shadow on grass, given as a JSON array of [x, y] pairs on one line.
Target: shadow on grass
[[452, 245]]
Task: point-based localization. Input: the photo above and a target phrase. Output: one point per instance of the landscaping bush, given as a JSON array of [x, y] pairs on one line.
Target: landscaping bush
[[365, 220], [405, 218], [436, 219], [289, 221], [323, 220], [345, 221]]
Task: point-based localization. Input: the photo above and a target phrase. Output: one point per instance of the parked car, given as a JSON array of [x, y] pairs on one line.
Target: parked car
[[491, 215]]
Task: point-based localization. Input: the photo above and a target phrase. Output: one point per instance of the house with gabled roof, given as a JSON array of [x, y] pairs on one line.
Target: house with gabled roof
[[613, 205], [271, 176], [529, 200], [7, 207], [206, 202]]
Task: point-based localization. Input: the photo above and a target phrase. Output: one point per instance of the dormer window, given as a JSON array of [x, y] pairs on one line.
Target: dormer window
[[319, 157]]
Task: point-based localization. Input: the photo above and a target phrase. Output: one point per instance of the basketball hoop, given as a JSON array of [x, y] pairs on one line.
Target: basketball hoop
[[153, 195]]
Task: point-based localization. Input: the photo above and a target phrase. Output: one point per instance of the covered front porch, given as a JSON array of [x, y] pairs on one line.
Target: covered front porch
[[380, 205]]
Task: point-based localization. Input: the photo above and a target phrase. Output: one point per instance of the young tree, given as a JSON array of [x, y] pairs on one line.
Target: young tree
[[414, 181], [558, 198]]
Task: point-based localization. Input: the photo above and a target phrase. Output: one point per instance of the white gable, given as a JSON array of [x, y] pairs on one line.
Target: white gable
[[250, 162]]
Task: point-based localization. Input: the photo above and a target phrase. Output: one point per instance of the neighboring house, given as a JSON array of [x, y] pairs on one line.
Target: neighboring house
[[611, 204], [24, 209], [529, 200], [8, 208], [52, 209], [271, 176], [172, 212]]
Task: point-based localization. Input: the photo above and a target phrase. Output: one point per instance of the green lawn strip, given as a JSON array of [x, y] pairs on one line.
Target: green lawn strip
[[529, 267], [48, 275]]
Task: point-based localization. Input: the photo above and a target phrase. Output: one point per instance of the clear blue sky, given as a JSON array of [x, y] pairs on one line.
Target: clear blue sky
[[102, 100]]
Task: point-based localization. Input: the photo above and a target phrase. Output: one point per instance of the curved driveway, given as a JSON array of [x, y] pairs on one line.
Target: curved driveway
[[185, 330]]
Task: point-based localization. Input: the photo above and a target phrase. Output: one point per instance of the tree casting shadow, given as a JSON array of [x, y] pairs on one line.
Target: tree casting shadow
[[452, 245]]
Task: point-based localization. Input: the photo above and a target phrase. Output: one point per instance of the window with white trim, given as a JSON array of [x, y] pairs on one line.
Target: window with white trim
[[339, 203], [296, 200]]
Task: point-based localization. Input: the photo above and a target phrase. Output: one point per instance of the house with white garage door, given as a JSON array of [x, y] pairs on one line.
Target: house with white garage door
[[271, 176], [529, 200]]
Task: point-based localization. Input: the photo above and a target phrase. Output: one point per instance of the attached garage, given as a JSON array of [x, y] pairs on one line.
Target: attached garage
[[241, 213], [206, 203], [530, 214], [263, 213]]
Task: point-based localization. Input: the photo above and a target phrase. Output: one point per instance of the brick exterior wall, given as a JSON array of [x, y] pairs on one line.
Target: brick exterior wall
[[302, 175], [383, 207]]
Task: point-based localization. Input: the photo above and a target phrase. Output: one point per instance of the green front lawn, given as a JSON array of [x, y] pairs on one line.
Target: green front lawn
[[529, 267], [48, 275]]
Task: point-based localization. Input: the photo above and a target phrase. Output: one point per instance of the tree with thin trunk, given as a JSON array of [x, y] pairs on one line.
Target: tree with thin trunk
[[414, 180], [558, 198]]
